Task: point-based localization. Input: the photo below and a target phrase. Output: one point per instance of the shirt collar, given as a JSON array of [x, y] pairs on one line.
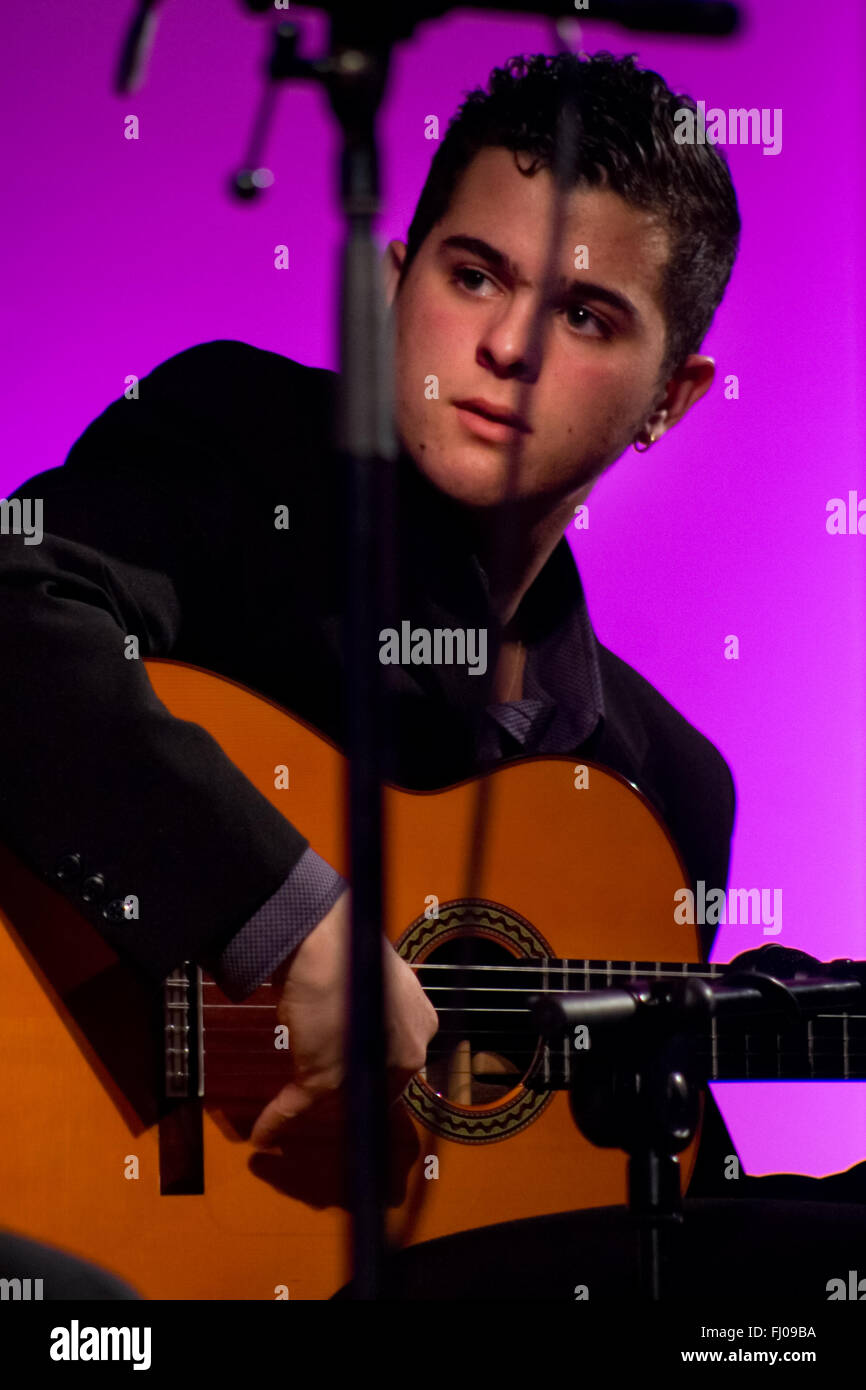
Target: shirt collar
[[562, 664]]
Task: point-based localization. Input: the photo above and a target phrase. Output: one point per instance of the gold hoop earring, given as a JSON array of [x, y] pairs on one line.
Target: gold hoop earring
[[636, 442]]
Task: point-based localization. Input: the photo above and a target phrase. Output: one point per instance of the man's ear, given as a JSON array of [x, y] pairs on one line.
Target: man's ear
[[392, 265], [691, 380]]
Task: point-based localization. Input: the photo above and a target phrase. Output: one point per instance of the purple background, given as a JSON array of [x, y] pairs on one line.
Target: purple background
[[119, 253]]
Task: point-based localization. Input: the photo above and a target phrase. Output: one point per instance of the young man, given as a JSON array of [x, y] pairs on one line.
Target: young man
[[161, 524], [660, 224]]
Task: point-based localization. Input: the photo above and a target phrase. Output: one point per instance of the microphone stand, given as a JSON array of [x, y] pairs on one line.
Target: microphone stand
[[354, 77], [636, 1087]]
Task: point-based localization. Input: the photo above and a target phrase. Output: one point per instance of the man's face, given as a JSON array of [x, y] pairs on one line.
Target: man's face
[[464, 318]]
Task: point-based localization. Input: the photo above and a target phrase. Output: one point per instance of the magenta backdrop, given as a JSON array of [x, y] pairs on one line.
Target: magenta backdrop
[[123, 252]]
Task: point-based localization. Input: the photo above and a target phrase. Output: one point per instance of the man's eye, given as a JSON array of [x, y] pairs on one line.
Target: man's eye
[[589, 318], [589, 326], [462, 274]]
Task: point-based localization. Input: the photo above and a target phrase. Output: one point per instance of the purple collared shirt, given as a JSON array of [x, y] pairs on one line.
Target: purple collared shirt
[[560, 710]]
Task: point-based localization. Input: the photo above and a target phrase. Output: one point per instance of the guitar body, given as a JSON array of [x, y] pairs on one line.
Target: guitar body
[[569, 872]]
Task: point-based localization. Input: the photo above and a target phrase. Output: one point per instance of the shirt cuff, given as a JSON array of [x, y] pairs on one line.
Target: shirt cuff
[[306, 896]]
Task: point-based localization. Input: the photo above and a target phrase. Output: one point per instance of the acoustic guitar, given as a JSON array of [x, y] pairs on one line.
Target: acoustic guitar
[[125, 1112]]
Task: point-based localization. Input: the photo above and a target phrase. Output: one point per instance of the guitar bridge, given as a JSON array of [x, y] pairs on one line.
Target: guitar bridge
[[181, 1140]]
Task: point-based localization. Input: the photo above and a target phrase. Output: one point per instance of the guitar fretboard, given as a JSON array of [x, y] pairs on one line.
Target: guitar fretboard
[[488, 1006], [827, 1046]]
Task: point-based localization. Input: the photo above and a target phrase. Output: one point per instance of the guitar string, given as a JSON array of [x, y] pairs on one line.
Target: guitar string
[[779, 1054], [773, 1030], [540, 962]]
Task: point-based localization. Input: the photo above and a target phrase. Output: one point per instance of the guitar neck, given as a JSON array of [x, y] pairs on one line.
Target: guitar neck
[[214, 1046], [829, 1046]]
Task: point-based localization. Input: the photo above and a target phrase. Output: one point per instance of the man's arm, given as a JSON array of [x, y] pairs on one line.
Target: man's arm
[[103, 792], [278, 928]]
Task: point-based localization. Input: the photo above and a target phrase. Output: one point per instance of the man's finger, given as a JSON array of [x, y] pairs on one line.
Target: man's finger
[[292, 1101]]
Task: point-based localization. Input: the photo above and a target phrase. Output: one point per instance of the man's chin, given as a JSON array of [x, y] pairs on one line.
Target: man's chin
[[480, 488]]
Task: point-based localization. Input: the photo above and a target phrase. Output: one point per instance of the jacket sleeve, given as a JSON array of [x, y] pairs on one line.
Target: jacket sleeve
[[139, 817], [278, 928]]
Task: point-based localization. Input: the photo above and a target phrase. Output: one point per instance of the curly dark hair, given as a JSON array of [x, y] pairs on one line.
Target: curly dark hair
[[625, 139]]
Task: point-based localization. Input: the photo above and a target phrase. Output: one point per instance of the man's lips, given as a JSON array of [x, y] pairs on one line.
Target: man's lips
[[499, 414]]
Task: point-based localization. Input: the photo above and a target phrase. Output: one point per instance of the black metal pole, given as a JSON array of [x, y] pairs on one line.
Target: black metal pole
[[366, 441]]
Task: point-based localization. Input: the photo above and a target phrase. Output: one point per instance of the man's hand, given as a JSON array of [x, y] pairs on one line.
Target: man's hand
[[312, 983]]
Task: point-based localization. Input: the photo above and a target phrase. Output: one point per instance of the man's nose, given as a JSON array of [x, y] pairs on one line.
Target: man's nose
[[505, 345]]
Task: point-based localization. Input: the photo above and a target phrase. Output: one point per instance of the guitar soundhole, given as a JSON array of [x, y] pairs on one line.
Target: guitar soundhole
[[470, 959], [478, 1055]]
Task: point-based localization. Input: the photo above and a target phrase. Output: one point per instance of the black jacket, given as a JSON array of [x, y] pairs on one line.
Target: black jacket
[[161, 525]]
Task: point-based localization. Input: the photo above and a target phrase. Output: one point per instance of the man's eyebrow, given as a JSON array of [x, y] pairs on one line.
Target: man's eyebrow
[[584, 289]]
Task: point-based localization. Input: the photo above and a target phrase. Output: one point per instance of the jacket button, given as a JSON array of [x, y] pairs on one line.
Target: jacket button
[[93, 888], [113, 911], [69, 867]]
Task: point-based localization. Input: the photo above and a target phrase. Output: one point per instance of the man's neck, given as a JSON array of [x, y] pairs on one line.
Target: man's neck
[[513, 545]]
